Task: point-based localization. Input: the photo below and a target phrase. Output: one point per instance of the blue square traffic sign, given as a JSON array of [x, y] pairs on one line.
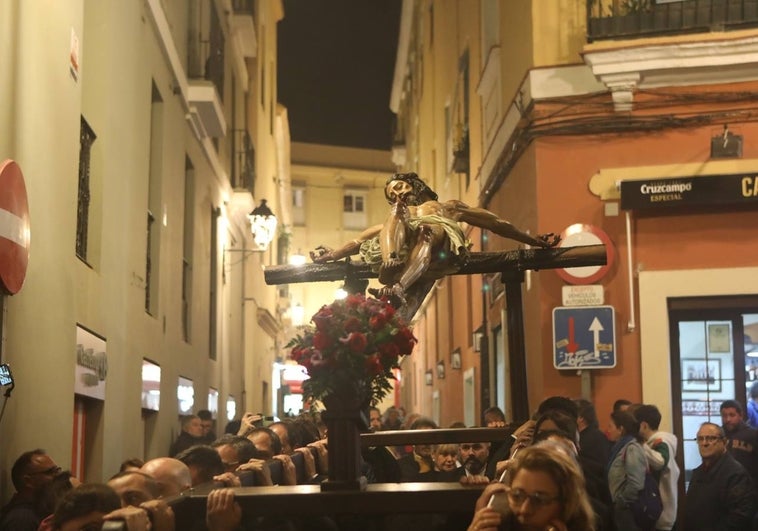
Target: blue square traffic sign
[[584, 337]]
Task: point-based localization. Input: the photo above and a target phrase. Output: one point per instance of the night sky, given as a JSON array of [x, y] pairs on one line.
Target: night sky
[[336, 64]]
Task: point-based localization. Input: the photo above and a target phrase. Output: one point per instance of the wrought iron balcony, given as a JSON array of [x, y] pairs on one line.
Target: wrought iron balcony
[[630, 19], [205, 72]]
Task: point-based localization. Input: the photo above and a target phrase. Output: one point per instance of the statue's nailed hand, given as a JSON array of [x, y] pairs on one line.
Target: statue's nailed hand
[[322, 254], [550, 239]]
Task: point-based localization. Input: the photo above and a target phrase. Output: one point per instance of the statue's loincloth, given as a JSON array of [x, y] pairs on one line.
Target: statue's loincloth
[[371, 251]]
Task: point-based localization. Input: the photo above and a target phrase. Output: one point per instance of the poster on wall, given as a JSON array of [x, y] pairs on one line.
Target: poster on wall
[[719, 338]]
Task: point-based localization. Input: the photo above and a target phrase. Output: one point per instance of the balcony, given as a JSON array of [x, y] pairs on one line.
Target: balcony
[[243, 27], [714, 53], [609, 20], [205, 109]]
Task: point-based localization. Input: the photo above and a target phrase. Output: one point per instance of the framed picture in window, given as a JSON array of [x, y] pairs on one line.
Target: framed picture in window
[[440, 369], [719, 338], [429, 377], [700, 374]]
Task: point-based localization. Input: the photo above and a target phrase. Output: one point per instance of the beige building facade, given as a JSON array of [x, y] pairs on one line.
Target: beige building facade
[[142, 152]]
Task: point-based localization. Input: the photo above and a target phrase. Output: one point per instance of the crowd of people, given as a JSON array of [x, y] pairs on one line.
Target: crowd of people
[[557, 471]]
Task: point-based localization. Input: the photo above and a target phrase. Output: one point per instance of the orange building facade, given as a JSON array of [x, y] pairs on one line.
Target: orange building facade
[[644, 138]]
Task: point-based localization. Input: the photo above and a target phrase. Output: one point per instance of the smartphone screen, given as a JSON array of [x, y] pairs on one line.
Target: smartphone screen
[[5, 375]]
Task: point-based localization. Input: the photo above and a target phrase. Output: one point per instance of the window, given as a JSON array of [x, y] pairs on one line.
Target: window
[[490, 26], [298, 205], [86, 139], [213, 401], [151, 385], [353, 203], [188, 248], [354, 209], [231, 408], [185, 394], [149, 262], [213, 296], [152, 250]]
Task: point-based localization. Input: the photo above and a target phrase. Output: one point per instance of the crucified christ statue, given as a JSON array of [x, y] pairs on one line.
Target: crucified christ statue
[[421, 237]]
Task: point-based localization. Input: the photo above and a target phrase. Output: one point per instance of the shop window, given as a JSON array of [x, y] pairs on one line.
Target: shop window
[[185, 394]]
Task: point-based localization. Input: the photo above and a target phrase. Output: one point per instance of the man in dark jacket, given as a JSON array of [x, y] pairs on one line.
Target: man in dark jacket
[[31, 473], [593, 444], [741, 439], [721, 495], [192, 434]]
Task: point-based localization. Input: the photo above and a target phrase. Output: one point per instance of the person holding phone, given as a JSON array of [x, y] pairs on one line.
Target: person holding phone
[[543, 490]]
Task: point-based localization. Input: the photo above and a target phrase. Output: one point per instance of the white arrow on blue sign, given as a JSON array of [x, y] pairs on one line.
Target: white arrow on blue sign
[[584, 337]]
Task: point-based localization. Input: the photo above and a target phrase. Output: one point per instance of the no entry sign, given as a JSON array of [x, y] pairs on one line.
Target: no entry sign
[[14, 228]]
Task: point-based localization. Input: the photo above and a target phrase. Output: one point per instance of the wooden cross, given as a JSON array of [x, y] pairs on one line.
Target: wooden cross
[[507, 262]]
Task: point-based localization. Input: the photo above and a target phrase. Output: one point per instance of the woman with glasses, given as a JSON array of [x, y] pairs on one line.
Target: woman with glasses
[[627, 467], [543, 490]]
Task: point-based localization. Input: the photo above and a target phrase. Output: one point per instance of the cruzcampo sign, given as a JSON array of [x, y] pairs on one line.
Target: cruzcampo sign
[[689, 191]]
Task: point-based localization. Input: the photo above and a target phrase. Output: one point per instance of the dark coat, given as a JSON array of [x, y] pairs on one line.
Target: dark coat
[[594, 445], [720, 497], [19, 516], [742, 443], [409, 469], [184, 441]]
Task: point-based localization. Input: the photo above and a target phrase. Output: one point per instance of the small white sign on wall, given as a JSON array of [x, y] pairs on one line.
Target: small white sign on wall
[[589, 295]]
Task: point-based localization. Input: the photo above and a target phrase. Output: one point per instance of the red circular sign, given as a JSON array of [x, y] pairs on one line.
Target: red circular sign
[[578, 235], [14, 228]]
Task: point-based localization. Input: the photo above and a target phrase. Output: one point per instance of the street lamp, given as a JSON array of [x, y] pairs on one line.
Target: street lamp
[[262, 225]]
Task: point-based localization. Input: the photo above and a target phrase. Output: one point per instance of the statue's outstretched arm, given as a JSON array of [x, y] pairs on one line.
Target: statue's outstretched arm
[[324, 254], [485, 219]]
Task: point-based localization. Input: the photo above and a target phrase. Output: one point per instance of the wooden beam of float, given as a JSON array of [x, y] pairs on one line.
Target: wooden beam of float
[[490, 262]]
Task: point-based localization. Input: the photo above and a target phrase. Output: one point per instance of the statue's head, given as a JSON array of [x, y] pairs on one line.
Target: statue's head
[[420, 190]]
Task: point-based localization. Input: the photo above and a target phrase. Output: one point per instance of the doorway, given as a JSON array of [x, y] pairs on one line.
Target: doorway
[[714, 357]]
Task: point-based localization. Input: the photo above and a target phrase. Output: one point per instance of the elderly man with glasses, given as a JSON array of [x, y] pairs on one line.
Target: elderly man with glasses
[[721, 495], [31, 473]]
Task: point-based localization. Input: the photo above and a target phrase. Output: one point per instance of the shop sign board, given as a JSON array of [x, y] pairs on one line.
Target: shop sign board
[[689, 191]]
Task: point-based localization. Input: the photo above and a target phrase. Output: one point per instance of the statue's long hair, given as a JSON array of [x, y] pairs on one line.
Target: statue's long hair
[[419, 187]]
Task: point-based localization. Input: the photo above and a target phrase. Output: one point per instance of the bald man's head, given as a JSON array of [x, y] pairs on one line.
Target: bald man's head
[[172, 476]]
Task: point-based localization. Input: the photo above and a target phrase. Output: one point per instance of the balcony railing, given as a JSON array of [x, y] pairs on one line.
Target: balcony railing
[[244, 7], [629, 19]]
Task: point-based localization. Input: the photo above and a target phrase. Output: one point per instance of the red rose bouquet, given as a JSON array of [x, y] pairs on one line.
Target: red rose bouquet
[[354, 343]]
